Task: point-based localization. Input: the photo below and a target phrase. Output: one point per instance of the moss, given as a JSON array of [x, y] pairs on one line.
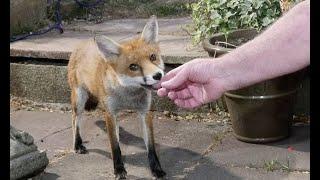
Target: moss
[[177, 9], [123, 9], [22, 20]]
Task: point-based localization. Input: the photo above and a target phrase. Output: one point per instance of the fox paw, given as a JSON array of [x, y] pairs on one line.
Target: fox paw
[[158, 173], [121, 173], [81, 149]]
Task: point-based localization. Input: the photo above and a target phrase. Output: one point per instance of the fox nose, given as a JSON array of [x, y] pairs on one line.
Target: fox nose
[[157, 76]]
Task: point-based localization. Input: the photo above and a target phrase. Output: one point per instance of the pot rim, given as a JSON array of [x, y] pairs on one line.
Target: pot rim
[[260, 140], [219, 49], [229, 94]]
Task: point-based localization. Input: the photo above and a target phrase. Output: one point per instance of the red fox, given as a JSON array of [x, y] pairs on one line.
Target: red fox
[[117, 77]]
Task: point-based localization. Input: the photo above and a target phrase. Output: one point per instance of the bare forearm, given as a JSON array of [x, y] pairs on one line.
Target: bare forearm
[[283, 48]]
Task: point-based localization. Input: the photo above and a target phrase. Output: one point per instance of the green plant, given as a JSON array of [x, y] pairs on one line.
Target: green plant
[[222, 16], [276, 165]]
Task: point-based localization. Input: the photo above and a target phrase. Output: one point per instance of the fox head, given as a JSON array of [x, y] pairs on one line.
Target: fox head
[[136, 62]]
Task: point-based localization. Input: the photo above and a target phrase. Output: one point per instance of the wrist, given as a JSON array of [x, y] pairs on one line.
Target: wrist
[[223, 74]]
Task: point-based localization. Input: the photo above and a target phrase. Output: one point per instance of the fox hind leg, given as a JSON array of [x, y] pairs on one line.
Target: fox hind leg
[[79, 97]]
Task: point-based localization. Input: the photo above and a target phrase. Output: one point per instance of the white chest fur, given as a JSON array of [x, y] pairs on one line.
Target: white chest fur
[[132, 98]]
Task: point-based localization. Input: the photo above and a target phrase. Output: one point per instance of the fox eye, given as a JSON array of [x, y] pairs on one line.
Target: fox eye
[[153, 57], [134, 67]]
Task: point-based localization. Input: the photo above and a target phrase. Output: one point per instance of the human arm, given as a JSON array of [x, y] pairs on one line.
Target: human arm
[[281, 49]]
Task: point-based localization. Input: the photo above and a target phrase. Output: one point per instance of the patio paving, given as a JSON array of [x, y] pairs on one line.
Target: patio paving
[[188, 149]]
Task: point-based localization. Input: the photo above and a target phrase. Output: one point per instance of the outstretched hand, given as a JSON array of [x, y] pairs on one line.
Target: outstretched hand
[[192, 84]]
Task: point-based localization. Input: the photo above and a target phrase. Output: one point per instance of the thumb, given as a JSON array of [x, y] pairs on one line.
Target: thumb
[[178, 80]]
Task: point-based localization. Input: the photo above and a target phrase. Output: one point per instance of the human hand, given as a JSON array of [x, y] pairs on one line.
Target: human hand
[[192, 84]]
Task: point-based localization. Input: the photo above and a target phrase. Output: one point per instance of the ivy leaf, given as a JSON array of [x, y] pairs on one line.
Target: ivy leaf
[[266, 21], [213, 16], [228, 14], [232, 4], [222, 2]]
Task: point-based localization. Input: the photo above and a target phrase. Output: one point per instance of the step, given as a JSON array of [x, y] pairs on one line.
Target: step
[[175, 44], [43, 77], [47, 83]]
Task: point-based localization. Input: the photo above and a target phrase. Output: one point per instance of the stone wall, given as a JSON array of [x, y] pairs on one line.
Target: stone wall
[[48, 84]]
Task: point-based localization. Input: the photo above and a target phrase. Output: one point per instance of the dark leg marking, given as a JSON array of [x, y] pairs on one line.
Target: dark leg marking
[[91, 103], [154, 163], [119, 169], [79, 147]]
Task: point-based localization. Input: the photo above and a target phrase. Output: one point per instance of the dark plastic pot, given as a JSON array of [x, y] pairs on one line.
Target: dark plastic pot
[[217, 50], [262, 112]]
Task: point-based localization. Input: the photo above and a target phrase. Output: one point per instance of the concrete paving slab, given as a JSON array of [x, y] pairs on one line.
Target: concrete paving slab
[[207, 171], [237, 153], [175, 45], [180, 145], [173, 144], [170, 26], [40, 124]]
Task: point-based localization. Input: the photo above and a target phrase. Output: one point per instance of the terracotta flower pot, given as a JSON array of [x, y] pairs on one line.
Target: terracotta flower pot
[[262, 112]]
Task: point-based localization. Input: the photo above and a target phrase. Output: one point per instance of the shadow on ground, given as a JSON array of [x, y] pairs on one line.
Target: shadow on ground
[[49, 176], [299, 135], [178, 163], [182, 159]]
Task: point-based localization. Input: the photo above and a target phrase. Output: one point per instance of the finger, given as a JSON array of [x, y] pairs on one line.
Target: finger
[[187, 103], [170, 74], [181, 94], [162, 92], [178, 80], [157, 86], [172, 95]]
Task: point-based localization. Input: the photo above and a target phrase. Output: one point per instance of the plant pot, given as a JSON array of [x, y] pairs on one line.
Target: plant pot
[[262, 112], [216, 51]]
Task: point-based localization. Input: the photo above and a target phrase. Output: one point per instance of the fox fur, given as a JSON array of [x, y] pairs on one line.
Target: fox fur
[[117, 77]]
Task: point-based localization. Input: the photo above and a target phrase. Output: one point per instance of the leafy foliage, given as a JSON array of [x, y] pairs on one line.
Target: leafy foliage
[[215, 16]]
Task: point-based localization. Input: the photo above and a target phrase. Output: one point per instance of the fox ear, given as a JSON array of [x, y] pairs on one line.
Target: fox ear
[[150, 31], [107, 46]]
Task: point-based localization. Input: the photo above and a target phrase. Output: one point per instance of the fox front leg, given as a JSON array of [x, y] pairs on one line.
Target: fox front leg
[[119, 170], [147, 126]]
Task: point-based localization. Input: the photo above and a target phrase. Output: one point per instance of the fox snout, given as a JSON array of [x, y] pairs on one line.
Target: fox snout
[[157, 76], [154, 77]]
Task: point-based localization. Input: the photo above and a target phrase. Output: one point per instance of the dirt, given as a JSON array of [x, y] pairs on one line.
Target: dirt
[[220, 117], [17, 103]]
